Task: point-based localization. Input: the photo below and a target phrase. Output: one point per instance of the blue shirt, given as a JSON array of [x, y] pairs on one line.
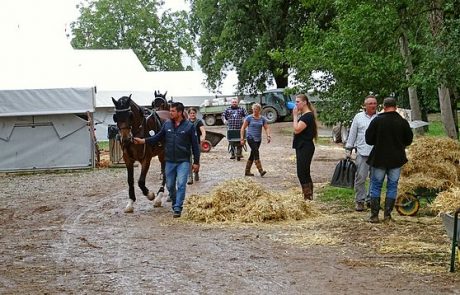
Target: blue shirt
[[255, 127]]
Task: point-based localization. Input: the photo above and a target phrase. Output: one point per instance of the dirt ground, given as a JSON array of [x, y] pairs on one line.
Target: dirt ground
[[66, 233]]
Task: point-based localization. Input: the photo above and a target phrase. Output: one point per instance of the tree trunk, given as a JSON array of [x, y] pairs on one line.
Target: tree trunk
[[282, 80], [454, 98], [416, 113], [436, 19]]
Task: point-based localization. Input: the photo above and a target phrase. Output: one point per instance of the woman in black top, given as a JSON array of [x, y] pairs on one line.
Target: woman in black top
[[201, 135], [305, 131]]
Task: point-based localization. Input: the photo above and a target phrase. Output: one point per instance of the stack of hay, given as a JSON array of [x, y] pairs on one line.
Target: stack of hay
[[434, 164], [244, 200]]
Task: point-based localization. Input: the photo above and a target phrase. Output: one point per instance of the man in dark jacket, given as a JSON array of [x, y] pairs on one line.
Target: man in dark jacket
[[390, 134], [181, 140]]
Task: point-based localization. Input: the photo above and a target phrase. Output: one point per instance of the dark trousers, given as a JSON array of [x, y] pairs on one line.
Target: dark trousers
[[304, 156], [254, 145]]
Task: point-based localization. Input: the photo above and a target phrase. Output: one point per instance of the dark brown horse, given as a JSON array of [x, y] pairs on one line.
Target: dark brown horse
[[131, 123], [160, 103]]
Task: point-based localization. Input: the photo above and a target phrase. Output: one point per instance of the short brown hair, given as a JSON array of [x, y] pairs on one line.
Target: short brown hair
[[389, 102]]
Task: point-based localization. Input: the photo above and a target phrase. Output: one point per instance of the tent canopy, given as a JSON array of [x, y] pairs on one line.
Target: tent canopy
[[26, 102]]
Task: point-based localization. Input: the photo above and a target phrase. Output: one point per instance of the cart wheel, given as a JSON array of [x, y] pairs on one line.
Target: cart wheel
[[407, 205], [205, 146]]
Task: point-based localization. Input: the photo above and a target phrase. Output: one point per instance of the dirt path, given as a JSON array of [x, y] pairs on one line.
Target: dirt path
[[66, 233]]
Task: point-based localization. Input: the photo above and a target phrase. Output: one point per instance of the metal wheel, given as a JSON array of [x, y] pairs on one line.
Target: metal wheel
[[210, 120], [271, 114], [407, 205]]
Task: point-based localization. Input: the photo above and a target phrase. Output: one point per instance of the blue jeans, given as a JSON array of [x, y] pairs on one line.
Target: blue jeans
[[176, 182], [377, 177]]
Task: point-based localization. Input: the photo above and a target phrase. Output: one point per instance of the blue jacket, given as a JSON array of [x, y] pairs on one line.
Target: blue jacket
[[180, 141]]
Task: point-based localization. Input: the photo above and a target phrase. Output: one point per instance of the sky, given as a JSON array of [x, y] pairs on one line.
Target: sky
[[34, 40], [46, 20]]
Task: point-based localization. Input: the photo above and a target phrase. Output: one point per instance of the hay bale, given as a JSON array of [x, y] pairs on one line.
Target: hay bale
[[433, 163], [447, 201], [244, 200]]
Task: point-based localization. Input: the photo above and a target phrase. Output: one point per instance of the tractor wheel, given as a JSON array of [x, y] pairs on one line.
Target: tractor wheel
[[210, 120], [271, 114], [407, 205], [206, 146]]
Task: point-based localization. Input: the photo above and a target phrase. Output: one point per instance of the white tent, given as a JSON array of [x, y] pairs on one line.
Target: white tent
[[118, 73], [42, 129]]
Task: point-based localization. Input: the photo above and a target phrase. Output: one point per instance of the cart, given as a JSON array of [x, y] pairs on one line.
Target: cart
[[211, 140], [234, 141], [452, 225], [408, 204]]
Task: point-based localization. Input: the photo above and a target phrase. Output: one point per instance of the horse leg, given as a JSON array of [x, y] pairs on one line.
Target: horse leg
[[141, 182], [132, 197], [158, 202]]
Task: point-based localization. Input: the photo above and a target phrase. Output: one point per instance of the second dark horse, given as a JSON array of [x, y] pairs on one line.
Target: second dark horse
[[131, 122]]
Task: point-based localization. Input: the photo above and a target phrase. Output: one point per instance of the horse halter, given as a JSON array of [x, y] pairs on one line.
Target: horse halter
[[123, 118]]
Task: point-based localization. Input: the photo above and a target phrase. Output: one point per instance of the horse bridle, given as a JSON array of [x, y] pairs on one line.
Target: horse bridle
[[128, 124]]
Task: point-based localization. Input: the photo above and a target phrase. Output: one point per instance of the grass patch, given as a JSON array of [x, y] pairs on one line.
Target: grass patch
[[436, 128], [103, 145], [341, 196]]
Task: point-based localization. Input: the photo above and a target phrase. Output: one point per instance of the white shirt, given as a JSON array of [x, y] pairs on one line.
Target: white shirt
[[357, 134]]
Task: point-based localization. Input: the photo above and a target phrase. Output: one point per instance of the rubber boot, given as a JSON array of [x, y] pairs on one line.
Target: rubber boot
[[259, 167], [247, 172], [389, 205], [307, 190], [190, 178], [239, 152], [232, 152], [375, 208]]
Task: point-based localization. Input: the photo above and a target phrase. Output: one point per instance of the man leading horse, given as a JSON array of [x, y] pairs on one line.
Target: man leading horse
[[181, 141]]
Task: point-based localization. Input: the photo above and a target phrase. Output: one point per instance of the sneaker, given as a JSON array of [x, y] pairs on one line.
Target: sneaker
[[359, 206], [176, 214]]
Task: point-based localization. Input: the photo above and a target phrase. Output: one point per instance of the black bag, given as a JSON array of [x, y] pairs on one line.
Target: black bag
[[344, 174]]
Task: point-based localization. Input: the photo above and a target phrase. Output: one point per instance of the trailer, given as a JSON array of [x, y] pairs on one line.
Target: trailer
[[212, 112]]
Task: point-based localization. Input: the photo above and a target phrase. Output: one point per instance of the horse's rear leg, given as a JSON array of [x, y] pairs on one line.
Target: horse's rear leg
[[132, 197], [141, 182]]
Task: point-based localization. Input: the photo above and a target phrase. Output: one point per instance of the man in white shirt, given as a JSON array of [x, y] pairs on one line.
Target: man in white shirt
[[356, 140]]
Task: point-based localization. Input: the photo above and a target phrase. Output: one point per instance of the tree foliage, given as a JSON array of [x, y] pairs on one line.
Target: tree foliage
[[359, 53], [158, 41], [250, 37]]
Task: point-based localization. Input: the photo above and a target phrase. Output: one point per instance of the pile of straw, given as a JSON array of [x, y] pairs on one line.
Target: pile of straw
[[447, 201], [244, 200], [433, 164]]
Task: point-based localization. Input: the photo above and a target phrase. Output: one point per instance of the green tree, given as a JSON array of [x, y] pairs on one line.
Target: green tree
[[158, 41], [358, 52], [250, 37]]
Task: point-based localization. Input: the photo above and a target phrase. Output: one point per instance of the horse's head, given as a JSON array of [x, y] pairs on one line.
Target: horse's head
[[160, 103], [124, 118]]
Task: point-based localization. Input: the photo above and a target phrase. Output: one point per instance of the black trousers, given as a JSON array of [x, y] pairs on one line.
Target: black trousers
[[254, 145], [304, 155]]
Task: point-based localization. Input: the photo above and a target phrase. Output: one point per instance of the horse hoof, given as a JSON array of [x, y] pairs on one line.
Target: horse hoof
[[151, 196], [129, 209], [157, 204]]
